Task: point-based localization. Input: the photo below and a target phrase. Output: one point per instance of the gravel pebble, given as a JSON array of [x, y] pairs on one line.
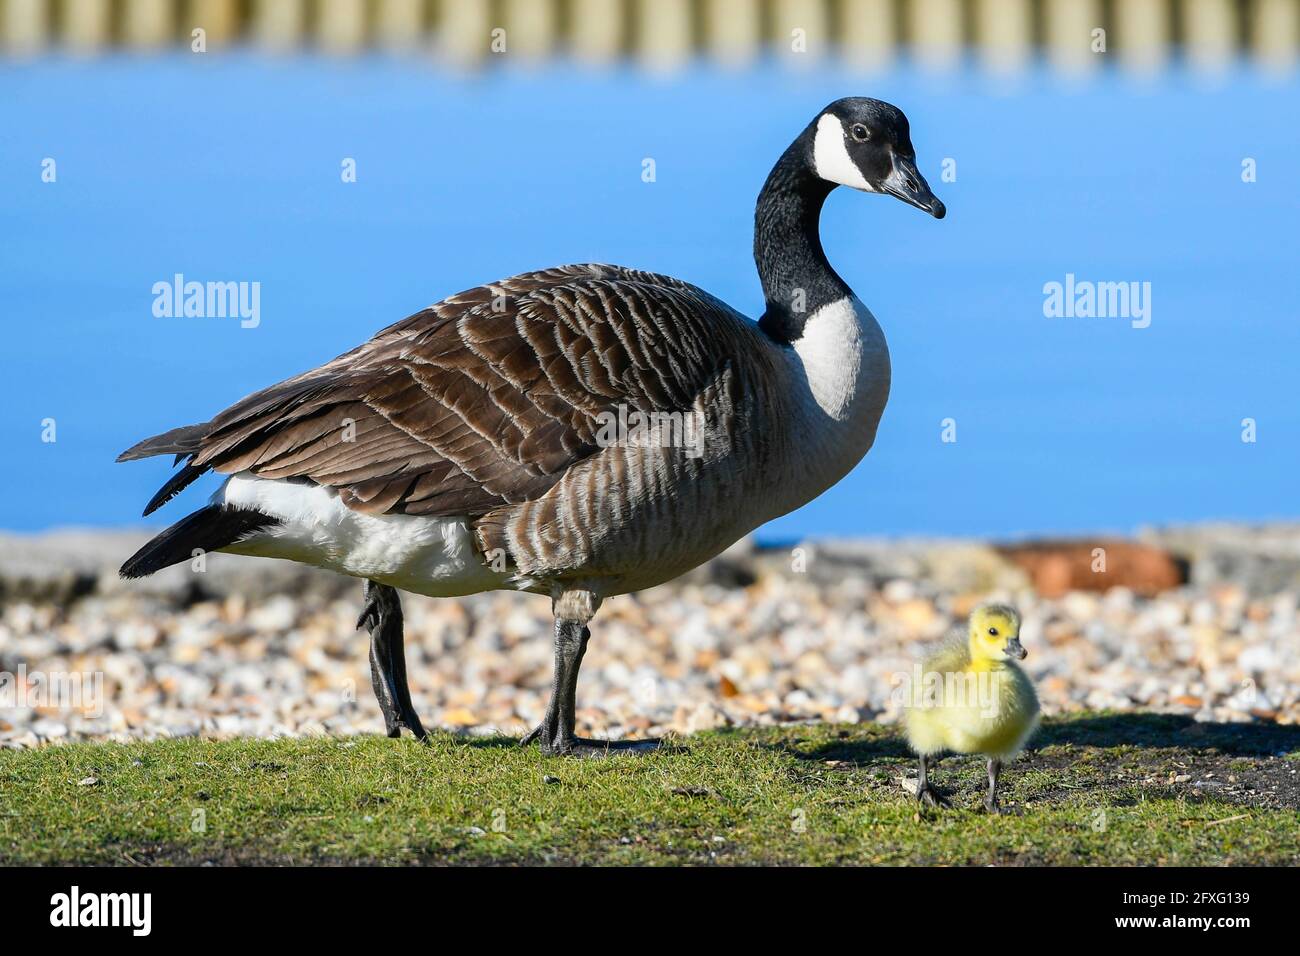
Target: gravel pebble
[[683, 658]]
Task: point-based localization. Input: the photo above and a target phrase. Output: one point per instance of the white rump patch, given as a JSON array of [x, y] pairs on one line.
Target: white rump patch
[[831, 157], [424, 555]]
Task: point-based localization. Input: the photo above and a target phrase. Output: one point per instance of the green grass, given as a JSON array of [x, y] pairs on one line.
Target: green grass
[[1093, 789]]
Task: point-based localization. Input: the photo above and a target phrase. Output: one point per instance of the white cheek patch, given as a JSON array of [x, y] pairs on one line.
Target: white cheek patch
[[831, 156]]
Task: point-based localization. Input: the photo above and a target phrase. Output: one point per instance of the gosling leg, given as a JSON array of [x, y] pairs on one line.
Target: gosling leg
[[924, 792], [382, 617], [991, 801]]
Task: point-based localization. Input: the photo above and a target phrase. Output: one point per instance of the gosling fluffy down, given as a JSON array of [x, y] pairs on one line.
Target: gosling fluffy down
[[973, 698]]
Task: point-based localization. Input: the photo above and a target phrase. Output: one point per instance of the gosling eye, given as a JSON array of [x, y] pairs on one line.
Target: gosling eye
[[993, 632], [860, 132]]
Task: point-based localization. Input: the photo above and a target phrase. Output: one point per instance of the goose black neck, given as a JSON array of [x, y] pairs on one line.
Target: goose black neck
[[797, 279]]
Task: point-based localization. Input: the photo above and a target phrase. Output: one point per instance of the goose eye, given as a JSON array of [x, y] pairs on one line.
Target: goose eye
[[860, 132], [993, 632]]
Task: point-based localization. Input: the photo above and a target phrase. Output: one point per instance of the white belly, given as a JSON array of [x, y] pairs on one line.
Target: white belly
[[433, 556]]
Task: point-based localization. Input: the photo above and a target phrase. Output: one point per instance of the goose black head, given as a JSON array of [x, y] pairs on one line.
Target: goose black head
[[866, 144]]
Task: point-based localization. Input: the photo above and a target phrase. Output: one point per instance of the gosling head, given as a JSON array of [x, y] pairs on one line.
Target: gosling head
[[866, 144], [995, 634]]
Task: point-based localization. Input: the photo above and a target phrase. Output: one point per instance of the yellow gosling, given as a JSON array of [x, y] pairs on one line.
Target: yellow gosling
[[973, 698]]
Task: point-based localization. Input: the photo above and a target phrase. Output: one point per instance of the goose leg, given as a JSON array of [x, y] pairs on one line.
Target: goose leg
[[924, 791], [991, 801], [557, 731], [382, 617]]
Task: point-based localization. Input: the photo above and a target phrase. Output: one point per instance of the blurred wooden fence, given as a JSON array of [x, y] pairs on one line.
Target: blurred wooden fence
[[1003, 34]]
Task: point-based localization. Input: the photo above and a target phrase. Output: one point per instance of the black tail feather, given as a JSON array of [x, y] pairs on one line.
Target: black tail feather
[[175, 485], [179, 441], [183, 442], [208, 529]]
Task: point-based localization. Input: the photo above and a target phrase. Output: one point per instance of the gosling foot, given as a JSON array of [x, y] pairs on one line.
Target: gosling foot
[[926, 795], [930, 797]]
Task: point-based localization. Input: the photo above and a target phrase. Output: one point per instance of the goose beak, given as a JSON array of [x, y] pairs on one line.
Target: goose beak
[[1014, 649], [905, 182]]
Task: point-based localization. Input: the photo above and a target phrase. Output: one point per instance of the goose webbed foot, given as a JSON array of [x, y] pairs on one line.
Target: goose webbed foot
[[556, 743], [382, 617]]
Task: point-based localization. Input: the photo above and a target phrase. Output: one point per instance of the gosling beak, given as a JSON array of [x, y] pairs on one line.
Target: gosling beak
[[1015, 650], [905, 182]]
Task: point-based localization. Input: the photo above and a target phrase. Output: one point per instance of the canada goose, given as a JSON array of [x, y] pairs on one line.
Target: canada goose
[[973, 698], [468, 447]]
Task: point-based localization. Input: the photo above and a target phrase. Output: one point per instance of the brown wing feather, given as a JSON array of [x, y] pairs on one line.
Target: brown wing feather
[[486, 398]]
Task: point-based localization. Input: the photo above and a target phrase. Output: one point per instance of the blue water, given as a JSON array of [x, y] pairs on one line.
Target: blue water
[[228, 169]]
